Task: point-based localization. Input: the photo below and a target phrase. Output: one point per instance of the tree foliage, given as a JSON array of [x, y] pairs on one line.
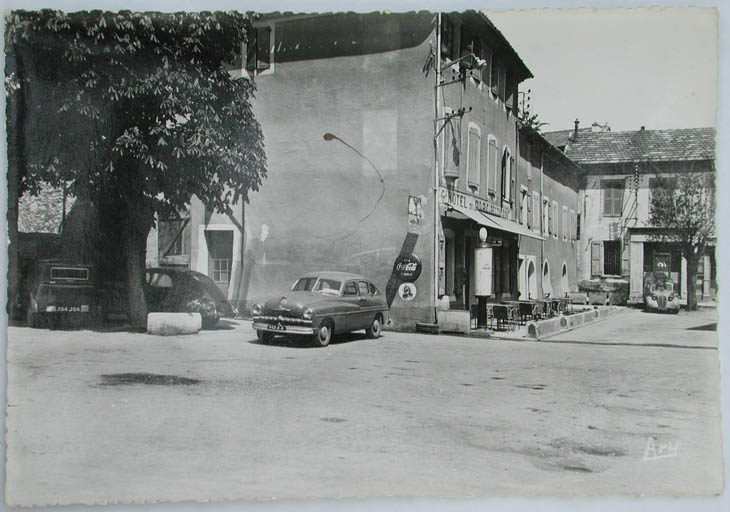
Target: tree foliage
[[135, 113], [144, 91], [683, 208]]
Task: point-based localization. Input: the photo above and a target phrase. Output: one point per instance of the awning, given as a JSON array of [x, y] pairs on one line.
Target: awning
[[490, 221]]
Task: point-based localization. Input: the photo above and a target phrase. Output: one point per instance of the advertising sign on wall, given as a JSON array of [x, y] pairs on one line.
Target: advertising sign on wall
[[407, 268], [415, 214]]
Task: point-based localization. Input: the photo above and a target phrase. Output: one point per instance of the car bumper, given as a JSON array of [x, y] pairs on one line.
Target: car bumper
[[282, 328]]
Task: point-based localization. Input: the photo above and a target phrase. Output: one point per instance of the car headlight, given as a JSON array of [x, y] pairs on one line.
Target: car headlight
[[256, 310], [671, 298], [653, 297], [307, 314]]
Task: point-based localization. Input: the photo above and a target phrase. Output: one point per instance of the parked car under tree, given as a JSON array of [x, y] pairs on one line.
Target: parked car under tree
[[659, 294], [61, 293], [321, 304], [173, 290]]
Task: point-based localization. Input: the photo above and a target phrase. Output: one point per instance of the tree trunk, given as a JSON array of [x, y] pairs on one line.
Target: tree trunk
[[15, 111], [134, 246], [692, 260]]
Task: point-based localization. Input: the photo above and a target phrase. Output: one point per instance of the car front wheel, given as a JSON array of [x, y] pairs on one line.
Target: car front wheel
[[374, 330], [264, 336], [323, 336]]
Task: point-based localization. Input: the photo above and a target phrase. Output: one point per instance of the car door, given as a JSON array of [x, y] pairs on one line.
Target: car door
[[352, 319], [368, 305]]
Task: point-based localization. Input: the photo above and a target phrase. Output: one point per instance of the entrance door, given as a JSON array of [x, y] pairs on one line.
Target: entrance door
[[220, 257], [522, 278], [532, 279]]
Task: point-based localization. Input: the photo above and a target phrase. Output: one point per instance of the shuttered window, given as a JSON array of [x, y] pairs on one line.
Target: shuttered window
[[596, 263], [493, 166], [536, 211], [258, 49], [613, 197], [474, 152]]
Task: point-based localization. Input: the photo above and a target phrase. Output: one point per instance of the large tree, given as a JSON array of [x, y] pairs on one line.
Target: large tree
[[133, 113], [683, 209]]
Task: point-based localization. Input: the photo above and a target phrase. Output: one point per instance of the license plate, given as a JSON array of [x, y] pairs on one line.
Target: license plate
[[67, 309], [277, 327]]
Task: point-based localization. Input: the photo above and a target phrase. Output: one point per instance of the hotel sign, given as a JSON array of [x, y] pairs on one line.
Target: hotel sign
[[470, 202]]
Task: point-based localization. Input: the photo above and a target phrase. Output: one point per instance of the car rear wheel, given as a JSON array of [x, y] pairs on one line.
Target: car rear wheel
[[264, 336], [324, 335], [374, 330], [209, 322]]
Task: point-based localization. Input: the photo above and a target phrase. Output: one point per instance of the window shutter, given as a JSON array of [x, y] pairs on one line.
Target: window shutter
[[263, 50], [251, 45], [596, 267]]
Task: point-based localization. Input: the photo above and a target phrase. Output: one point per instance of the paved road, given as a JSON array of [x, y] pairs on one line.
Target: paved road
[[98, 417]]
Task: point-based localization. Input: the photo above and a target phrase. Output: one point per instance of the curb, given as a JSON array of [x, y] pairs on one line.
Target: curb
[[543, 329]]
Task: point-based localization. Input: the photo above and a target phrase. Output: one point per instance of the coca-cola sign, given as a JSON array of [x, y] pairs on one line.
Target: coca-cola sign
[[407, 268]]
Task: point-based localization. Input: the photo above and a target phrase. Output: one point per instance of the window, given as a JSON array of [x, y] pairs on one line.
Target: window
[[258, 50], [547, 286], [506, 175], [536, 211], [554, 224], [220, 250], [159, 280], [565, 223], [596, 263], [612, 257], [350, 288], [545, 216], [572, 228], [328, 286], [173, 239], [502, 83], [577, 227], [494, 75], [373, 289], [524, 200], [363, 288], [613, 197], [221, 270], [473, 156], [492, 165]]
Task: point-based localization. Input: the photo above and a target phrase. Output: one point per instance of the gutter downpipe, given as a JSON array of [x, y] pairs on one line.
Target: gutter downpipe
[[437, 78], [542, 220]]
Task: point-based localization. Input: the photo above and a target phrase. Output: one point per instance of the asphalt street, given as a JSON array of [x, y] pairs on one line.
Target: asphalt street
[[98, 417]]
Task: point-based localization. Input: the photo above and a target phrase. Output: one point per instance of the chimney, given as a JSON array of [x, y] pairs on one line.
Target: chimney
[[643, 128], [575, 133]]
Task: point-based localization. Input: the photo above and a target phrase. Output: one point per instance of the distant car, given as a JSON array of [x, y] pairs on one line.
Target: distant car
[[321, 304], [181, 291], [659, 294], [61, 293]]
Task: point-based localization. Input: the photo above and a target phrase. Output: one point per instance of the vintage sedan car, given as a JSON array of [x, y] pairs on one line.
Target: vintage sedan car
[[61, 294], [321, 304], [659, 294], [173, 290]]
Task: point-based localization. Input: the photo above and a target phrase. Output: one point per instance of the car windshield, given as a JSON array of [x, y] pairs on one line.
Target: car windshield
[[304, 284], [327, 286]]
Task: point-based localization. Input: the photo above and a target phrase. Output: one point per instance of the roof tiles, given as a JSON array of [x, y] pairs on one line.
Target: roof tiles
[[643, 145]]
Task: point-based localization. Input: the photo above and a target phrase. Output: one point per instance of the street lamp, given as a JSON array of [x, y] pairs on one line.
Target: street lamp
[[330, 137]]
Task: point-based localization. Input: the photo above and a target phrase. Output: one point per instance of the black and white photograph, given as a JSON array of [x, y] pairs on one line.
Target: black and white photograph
[[261, 254]]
